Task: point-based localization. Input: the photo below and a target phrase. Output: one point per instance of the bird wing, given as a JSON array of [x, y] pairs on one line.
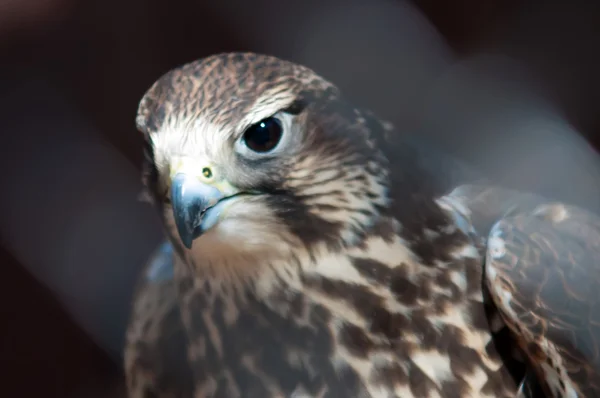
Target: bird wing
[[543, 273], [156, 344]]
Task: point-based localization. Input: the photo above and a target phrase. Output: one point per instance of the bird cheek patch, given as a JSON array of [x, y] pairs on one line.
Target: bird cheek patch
[[251, 221]]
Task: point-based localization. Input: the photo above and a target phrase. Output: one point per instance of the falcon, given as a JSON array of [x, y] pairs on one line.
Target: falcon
[[315, 251]]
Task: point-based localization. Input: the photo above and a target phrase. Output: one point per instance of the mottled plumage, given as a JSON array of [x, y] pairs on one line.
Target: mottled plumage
[[543, 273], [334, 266], [544, 267]]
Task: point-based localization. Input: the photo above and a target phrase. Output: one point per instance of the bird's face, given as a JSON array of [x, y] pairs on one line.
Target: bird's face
[[248, 152]]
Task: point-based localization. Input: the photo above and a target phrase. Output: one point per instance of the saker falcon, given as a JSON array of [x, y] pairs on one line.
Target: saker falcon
[[314, 251]]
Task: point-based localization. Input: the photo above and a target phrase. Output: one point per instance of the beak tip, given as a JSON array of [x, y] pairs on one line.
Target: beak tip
[[187, 242], [186, 236], [190, 199]]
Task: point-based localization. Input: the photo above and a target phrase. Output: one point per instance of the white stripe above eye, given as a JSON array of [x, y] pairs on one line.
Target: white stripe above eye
[[270, 103]]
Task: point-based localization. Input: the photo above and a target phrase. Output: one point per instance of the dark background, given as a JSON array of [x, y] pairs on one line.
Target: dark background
[[510, 86]]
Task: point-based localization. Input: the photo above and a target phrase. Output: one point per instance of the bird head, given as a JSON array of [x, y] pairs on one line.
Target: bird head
[[250, 154]]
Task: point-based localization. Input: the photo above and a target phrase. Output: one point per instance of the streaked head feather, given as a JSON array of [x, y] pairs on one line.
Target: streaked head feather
[[325, 184]]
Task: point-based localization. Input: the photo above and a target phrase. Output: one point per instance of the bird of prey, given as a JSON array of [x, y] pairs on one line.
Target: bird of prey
[[315, 251]]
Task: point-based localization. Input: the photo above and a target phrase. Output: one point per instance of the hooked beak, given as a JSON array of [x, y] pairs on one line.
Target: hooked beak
[[190, 199]]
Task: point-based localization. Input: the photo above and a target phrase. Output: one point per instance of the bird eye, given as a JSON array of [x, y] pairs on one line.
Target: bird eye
[[264, 135]]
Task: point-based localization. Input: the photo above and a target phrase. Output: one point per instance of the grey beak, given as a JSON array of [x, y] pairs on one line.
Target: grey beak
[[190, 199]]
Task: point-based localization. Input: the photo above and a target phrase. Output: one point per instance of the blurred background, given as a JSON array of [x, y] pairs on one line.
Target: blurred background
[[511, 87]]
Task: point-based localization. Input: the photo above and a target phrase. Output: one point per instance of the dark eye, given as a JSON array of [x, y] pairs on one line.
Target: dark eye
[[264, 135]]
